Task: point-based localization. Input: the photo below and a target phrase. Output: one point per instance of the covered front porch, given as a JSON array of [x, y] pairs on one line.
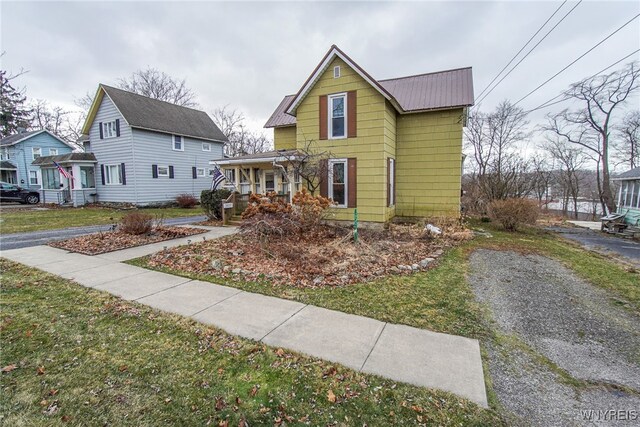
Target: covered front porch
[[77, 188], [8, 172]]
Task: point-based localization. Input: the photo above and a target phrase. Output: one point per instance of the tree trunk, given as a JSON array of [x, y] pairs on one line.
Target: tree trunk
[[607, 197]]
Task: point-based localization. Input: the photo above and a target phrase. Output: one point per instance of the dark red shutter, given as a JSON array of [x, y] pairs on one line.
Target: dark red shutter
[[102, 171], [388, 181], [117, 127], [101, 135], [154, 171], [171, 175], [352, 182], [194, 172], [324, 178], [124, 174], [352, 114], [323, 117]]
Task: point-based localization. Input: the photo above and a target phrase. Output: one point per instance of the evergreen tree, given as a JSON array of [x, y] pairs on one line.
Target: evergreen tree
[[14, 112]]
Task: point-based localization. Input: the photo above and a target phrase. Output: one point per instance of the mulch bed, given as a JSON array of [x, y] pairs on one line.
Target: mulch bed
[[328, 258], [109, 241]]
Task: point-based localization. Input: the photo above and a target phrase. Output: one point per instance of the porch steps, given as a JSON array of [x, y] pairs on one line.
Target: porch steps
[[235, 220]]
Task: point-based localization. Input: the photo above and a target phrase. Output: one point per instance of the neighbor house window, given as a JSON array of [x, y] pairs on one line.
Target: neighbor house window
[[178, 144], [336, 71], [87, 177], [338, 182], [53, 151], [36, 152], [50, 179], [206, 146], [200, 172], [337, 118], [109, 130], [113, 174], [33, 177], [163, 170]]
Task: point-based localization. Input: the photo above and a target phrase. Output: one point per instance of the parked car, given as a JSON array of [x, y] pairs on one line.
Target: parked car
[[14, 193]]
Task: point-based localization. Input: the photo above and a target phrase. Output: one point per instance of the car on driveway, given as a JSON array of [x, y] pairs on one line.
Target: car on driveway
[[14, 193]]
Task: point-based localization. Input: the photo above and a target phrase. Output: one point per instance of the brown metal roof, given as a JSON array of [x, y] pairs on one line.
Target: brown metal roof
[[280, 118]]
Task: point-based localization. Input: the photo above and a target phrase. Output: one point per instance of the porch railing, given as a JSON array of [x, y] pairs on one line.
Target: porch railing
[[236, 203]]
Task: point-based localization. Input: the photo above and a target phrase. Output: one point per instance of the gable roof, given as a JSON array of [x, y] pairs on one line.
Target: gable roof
[[632, 174], [423, 92], [19, 137], [65, 158], [152, 114]]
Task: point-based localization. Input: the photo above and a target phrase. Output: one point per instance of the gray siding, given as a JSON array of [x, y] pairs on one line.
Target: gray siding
[[113, 151], [154, 148]]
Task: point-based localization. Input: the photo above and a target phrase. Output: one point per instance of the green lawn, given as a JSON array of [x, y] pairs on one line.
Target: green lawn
[[32, 220], [77, 356]]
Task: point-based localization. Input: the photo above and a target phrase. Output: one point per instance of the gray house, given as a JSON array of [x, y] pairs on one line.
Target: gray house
[[145, 151]]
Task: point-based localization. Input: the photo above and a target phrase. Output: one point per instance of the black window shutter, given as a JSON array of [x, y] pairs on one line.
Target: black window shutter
[[154, 171], [124, 174], [194, 172], [171, 175], [102, 172], [118, 128], [101, 135]]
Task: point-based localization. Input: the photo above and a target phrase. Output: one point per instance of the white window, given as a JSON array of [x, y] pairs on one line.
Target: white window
[[53, 151], [336, 71], [113, 174], [109, 130], [178, 144], [163, 170], [392, 182], [338, 182], [33, 177], [50, 179], [200, 172], [337, 116], [206, 146], [36, 152]]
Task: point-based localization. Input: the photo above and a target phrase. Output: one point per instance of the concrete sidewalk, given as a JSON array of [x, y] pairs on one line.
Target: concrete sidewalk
[[398, 352]]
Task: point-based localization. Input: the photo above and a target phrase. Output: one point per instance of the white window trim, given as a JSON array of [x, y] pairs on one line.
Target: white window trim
[[173, 143], [108, 178], [37, 180], [207, 145], [203, 174], [163, 174], [336, 72], [392, 182], [55, 151], [330, 164], [33, 152], [330, 115], [113, 133]]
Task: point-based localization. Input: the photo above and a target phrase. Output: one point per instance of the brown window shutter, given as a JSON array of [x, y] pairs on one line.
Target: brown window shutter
[[352, 182], [388, 181], [352, 114], [323, 116], [324, 178]]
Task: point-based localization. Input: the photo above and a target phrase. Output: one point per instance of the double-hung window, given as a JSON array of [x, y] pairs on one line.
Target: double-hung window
[[163, 170], [337, 188], [206, 146], [178, 143], [53, 151], [113, 174], [33, 177], [337, 116], [200, 172], [109, 129], [36, 152]]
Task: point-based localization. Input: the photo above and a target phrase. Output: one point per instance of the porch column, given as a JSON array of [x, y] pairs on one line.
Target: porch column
[[237, 177], [76, 186], [252, 180], [263, 182]]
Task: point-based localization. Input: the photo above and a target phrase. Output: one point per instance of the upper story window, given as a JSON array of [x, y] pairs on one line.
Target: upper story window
[[336, 71], [36, 152], [337, 117], [109, 129], [178, 143], [206, 146], [53, 151]]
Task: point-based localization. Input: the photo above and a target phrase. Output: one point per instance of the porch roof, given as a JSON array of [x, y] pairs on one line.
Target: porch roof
[[266, 157], [6, 165], [629, 175], [65, 159]]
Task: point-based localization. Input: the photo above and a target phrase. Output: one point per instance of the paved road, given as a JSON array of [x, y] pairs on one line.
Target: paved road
[[602, 243], [24, 240]]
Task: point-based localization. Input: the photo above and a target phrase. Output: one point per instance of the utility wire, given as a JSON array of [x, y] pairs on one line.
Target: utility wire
[[549, 102], [522, 48], [577, 59], [528, 53]]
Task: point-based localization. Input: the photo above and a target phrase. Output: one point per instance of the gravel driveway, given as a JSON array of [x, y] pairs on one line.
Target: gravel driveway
[[563, 347]]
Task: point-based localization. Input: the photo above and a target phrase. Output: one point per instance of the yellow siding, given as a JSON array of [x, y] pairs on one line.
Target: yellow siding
[[284, 138], [429, 154], [368, 147]]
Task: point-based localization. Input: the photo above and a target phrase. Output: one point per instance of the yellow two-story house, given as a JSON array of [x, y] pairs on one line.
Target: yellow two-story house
[[394, 147]]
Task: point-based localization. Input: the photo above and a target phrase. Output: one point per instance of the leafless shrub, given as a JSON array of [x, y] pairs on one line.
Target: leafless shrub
[[136, 223], [512, 213], [186, 201]]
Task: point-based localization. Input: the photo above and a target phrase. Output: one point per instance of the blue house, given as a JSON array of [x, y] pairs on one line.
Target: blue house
[[17, 153]]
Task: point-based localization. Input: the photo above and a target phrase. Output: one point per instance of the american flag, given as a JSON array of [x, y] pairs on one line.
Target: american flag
[[218, 177], [63, 172]]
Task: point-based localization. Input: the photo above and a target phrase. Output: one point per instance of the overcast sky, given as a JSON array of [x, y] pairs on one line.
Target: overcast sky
[[249, 55]]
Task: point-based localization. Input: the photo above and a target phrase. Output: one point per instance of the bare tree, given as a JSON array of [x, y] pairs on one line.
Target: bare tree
[[569, 161], [241, 140], [309, 163], [64, 123], [628, 143], [541, 179], [159, 85], [590, 126]]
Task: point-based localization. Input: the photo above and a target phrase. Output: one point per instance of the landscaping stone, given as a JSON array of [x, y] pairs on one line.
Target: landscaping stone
[[426, 262], [318, 280], [217, 264], [236, 271], [415, 267]]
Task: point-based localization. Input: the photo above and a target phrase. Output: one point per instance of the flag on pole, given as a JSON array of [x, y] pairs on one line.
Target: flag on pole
[[63, 172], [218, 177]]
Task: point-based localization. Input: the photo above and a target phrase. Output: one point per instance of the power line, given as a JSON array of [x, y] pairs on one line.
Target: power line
[[577, 59], [522, 48], [528, 53], [549, 102]]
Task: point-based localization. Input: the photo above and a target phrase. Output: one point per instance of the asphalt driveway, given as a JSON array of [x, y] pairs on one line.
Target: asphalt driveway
[[603, 243]]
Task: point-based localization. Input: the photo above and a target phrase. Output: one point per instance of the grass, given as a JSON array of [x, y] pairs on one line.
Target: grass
[[83, 357], [440, 299], [32, 220]]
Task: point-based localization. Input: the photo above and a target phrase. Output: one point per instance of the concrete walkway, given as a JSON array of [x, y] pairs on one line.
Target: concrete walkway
[[398, 352]]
